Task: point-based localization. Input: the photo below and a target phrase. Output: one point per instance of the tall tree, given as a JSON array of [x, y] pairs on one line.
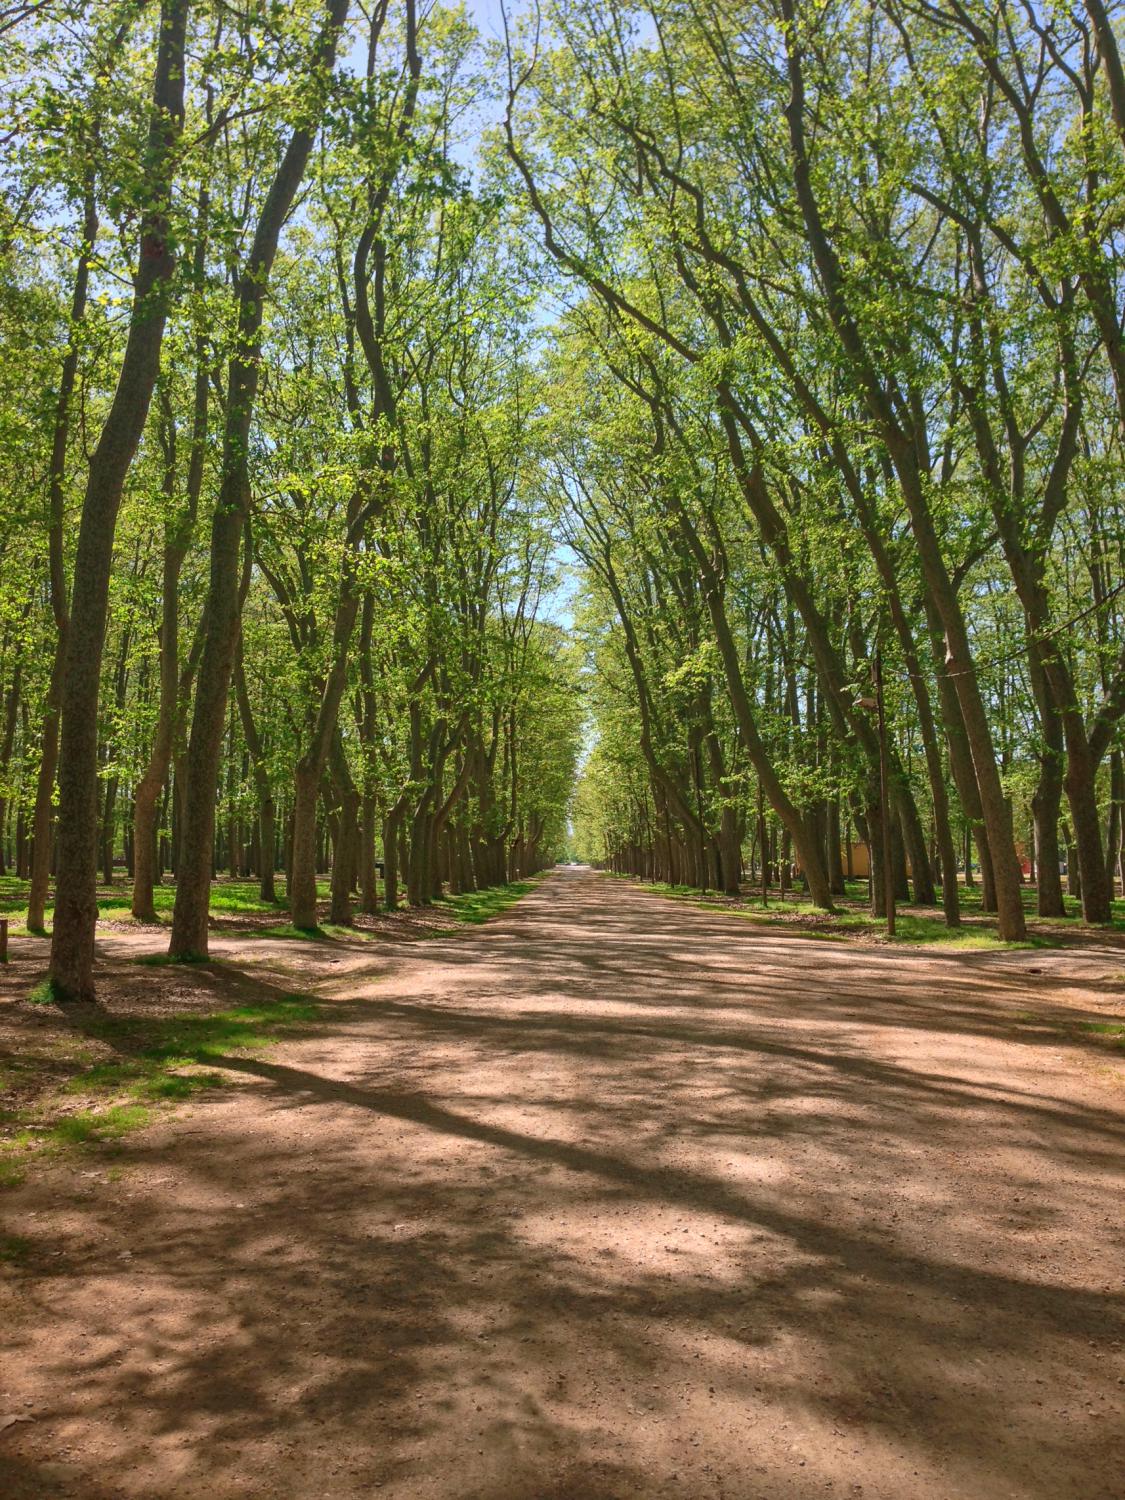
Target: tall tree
[[76, 909]]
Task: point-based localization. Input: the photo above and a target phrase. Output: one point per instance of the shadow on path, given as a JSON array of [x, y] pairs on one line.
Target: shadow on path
[[604, 1200]]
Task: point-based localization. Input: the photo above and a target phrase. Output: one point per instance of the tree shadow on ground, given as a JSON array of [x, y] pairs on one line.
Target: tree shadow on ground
[[592, 1206]]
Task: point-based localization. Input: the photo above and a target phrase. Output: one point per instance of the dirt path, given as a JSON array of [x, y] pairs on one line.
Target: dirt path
[[612, 1198]]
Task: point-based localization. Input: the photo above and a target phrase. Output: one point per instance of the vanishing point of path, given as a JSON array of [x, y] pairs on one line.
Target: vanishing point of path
[[612, 1198]]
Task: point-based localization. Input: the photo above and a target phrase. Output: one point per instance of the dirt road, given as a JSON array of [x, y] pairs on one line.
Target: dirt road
[[611, 1198]]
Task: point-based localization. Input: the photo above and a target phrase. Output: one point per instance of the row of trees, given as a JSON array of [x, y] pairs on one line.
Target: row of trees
[[841, 384], [836, 383], [271, 563]]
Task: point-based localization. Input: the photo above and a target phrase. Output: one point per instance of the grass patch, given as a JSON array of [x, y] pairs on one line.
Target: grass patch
[[290, 930], [44, 993], [471, 908], [98, 1125], [145, 1063], [235, 898], [228, 898], [797, 916], [14, 1249], [1112, 1031]]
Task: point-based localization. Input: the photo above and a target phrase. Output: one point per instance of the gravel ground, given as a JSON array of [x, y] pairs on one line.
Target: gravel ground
[[609, 1198]]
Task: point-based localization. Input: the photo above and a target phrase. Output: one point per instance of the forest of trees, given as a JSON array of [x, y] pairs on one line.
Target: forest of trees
[[272, 569], [333, 333]]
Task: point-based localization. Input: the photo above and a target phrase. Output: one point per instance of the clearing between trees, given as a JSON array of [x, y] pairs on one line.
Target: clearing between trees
[[611, 1197]]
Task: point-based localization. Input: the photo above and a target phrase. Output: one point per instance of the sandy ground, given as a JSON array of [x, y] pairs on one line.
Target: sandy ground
[[610, 1198]]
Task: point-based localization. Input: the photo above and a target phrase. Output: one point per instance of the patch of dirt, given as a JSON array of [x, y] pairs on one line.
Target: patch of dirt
[[612, 1197], [43, 1048]]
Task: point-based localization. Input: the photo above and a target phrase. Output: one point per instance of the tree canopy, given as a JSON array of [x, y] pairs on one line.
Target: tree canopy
[[337, 338]]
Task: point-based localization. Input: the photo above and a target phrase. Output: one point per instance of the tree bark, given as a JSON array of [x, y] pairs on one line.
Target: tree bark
[[11, 715], [177, 538], [344, 853], [267, 821], [1047, 797], [76, 908], [222, 609], [49, 751]]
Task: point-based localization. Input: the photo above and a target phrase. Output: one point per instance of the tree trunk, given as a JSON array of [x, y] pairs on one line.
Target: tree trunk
[[76, 909], [344, 854], [1115, 834], [49, 755], [11, 716], [222, 609], [1081, 794], [267, 834], [369, 895], [302, 879], [1045, 804], [390, 858]]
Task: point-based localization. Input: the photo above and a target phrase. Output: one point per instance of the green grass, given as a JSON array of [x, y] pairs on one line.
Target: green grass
[[153, 1062], [851, 918], [228, 898], [234, 898], [161, 960], [912, 929], [471, 908], [1113, 1031], [13, 1248], [44, 993], [1110, 1032], [289, 930], [1072, 907]]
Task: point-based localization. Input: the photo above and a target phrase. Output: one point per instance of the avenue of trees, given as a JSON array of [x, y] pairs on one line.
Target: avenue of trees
[[840, 394], [331, 331]]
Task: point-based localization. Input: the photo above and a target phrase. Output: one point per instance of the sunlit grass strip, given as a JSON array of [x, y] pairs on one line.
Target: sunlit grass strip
[[912, 931], [228, 898], [241, 898], [471, 908]]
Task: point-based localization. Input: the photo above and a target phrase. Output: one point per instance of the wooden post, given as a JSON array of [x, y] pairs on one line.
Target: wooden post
[[3, 940]]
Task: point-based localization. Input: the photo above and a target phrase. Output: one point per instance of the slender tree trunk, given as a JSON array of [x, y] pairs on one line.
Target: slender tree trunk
[[11, 717], [390, 858], [369, 895], [76, 909], [1047, 798], [808, 853], [266, 818], [1045, 805], [49, 753], [1081, 794], [1115, 833], [302, 880], [310, 768], [177, 538], [112, 781], [221, 614], [344, 855]]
